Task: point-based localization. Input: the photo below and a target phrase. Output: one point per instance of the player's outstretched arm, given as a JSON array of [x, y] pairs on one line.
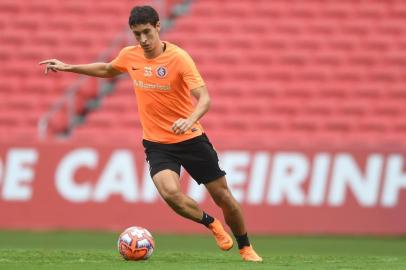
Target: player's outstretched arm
[[103, 70]]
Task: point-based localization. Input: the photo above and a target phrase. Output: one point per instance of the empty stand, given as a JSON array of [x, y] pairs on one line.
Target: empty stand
[[279, 72], [310, 71], [31, 31]]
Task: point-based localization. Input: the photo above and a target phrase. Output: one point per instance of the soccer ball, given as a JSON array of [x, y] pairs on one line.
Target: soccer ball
[[136, 243]]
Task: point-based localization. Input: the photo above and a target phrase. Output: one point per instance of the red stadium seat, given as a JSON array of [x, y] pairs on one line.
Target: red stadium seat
[[317, 72], [59, 122]]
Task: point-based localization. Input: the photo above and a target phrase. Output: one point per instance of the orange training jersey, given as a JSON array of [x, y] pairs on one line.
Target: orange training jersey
[[162, 86]]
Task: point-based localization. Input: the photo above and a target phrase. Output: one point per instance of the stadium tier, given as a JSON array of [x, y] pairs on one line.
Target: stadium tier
[[279, 72]]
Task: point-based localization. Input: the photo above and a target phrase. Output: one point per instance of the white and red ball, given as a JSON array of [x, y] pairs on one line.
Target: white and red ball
[[136, 243]]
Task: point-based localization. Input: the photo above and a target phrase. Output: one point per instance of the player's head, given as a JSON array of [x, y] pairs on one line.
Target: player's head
[[143, 15], [144, 22]]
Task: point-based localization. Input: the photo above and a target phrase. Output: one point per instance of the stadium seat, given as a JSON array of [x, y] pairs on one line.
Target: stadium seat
[[59, 122], [319, 71]]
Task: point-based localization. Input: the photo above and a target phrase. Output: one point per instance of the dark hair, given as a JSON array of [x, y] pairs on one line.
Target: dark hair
[[143, 15]]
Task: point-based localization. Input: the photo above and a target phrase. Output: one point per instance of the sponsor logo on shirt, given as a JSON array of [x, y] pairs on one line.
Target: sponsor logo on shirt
[[152, 86], [161, 72]]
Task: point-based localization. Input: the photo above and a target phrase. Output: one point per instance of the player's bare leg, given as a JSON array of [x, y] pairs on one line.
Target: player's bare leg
[[222, 196], [168, 185], [233, 216]]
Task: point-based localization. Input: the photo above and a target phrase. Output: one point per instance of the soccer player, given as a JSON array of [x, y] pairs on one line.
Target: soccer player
[[165, 77]]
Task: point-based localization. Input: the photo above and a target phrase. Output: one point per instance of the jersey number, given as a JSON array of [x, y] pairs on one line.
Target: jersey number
[[147, 71]]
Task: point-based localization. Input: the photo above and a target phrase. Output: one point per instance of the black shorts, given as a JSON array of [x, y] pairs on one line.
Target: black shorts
[[196, 155]]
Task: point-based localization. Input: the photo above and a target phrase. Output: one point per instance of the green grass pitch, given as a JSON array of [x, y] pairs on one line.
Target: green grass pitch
[[97, 250]]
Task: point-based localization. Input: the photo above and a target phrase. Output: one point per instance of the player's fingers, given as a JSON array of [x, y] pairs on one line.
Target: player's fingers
[[176, 124], [178, 128], [50, 67], [181, 126], [47, 68], [44, 62], [184, 127], [183, 130], [47, 61]]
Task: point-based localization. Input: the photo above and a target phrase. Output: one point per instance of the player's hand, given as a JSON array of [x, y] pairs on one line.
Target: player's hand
[[182, 125], [54, 65]]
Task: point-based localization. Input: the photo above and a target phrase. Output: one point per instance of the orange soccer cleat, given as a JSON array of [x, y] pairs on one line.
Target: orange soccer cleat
[[248, 254], [223, 239]]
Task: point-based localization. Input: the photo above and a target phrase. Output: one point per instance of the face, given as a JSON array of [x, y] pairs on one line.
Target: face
[[147, 35]]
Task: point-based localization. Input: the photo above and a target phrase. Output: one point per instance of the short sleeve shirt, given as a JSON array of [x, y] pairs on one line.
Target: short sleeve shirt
[[162, 86]]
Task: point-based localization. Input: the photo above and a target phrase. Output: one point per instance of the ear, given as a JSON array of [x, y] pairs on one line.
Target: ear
[[158, 26]]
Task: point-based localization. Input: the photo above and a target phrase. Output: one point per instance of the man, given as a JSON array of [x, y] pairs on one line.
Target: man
[[165, 77]]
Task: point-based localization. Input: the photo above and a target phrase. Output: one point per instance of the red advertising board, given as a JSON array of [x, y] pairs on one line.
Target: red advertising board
[[57, 185]]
